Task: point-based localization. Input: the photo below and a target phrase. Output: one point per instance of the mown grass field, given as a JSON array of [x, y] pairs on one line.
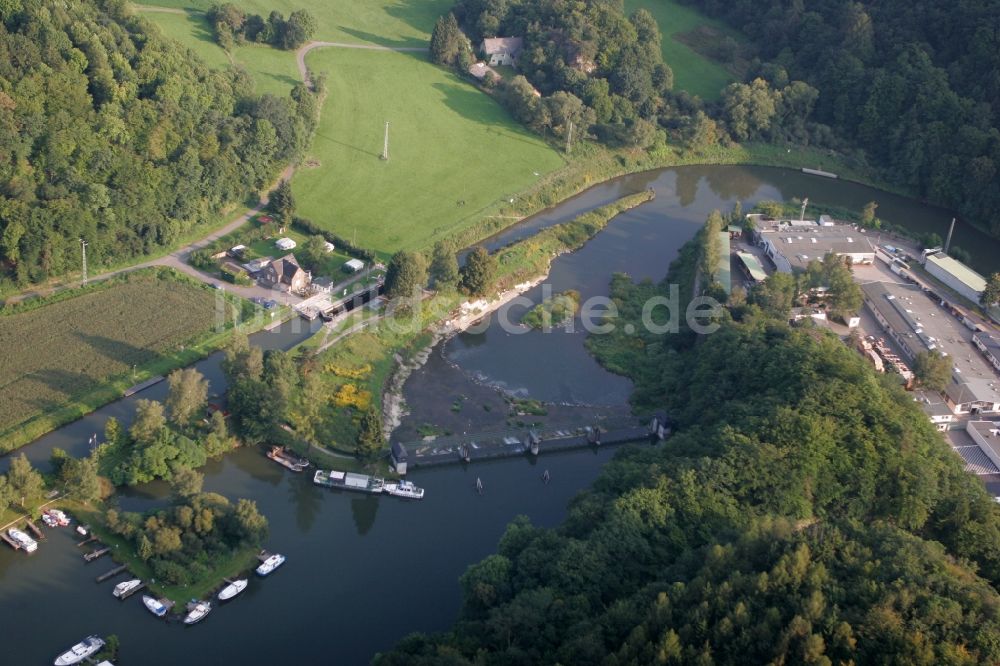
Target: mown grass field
[[453, 151], [693, 72], [385, 22], [274, 71], [65, 352]]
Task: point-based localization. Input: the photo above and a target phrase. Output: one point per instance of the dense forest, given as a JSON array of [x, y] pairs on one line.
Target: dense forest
[[804, 510], [111, 133], [914, 93], [917, 87]]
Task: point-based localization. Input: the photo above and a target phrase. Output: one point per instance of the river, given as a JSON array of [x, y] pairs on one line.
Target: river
[[363, 572]]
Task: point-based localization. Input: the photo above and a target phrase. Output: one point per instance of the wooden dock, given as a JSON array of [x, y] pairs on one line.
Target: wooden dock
[[110, 574], [13, 544], [87, 540], [93, 555], [263, 555], [34, 529]]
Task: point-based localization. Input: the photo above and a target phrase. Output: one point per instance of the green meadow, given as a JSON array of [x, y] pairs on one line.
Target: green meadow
[[693, 72], [274, 71], [453, 151], [385, 22]]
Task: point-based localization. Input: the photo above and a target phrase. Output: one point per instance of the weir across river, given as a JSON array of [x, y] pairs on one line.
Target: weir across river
[[488, 445]]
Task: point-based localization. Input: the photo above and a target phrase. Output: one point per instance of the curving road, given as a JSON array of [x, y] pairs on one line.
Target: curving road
[[178, 258]]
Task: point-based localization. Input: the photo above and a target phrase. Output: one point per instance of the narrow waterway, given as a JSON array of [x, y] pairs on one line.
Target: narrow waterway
[[363, 572]]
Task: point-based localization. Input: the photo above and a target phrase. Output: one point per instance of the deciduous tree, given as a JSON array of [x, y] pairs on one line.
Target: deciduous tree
[[187, 395], [479, 271]]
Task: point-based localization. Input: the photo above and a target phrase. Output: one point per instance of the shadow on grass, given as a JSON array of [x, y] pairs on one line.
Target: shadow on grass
[[480, 108], [324, 137], [379, 40]]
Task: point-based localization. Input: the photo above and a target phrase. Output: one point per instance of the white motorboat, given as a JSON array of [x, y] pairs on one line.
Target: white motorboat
[[154, 606], [403, 488], [49, 520], [61, 518], [197, 612], [270, 564], [122, 589], [80, 651], [22, 540], [231, 590]]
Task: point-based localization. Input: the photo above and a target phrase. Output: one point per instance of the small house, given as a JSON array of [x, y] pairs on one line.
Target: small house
[[480, 71], [286, 273], [353, 265], [502, 50], [285, 244], [322, 285]]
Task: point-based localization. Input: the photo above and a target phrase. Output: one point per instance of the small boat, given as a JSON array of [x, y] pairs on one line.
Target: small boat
[[83, 530], [80, 651], [479, 485], [404, 489], [122, 590], [231, 590], [23, 540], [270, 564], [285, 459], [197, 610], [61, 518], [154, 606], [49, 520]]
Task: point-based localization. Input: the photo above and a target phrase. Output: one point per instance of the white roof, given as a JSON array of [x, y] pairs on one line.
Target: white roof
[[285, 243], [328, 246], [355, 264]]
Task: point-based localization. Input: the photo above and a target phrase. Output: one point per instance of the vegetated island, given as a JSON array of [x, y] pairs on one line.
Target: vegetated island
[[555, 310]]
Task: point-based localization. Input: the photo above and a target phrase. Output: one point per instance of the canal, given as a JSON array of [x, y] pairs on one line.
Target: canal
[[362, 572]]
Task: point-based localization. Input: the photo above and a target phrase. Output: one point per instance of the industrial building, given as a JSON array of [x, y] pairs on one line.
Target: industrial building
[[956, 275], [986, 434], [792, 244], [917, 324], [989, 344]]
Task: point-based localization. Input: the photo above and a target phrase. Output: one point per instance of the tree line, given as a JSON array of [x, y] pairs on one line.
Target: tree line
[[232, 27], [111, 133], [804, 510], [913, 89]]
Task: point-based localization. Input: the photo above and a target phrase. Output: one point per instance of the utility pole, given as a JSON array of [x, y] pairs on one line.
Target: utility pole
[[802, 215], [951, 229], [569, 138], [385, 143], [83, 247]]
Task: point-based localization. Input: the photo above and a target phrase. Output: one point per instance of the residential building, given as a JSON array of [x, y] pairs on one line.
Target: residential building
[[285, 273], [936, 409], [481, 70], [956, 275], [502, 50]]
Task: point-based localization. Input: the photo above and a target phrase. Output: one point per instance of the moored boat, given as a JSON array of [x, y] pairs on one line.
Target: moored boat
[[197, 610], [270, 564], [49, 520], [403, 488], [231, 590], [348, 481], [61, 518], [285, 459], [23, 540], [122, 589], [154, 606], [80, 651]]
